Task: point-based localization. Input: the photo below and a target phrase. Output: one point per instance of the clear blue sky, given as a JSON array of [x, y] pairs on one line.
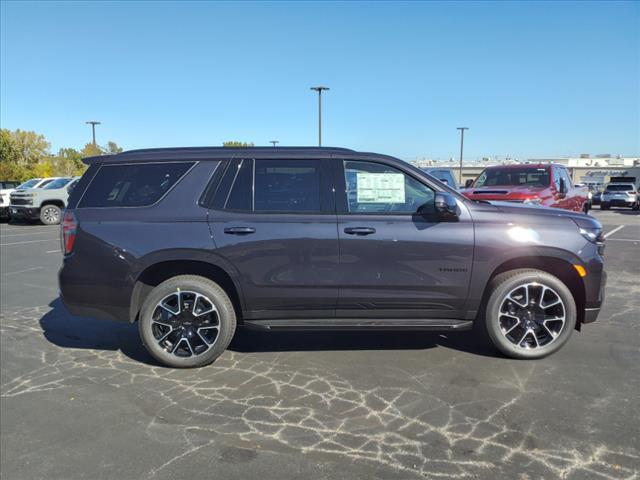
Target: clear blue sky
[[529, 79]]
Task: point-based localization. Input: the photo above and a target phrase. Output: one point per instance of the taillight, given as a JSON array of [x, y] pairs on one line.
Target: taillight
[[68, 231]]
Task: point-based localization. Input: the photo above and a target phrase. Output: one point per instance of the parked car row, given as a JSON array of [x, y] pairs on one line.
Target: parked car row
[[41, 199]]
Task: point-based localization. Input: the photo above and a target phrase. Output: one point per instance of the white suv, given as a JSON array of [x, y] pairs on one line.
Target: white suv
[[620, 195]]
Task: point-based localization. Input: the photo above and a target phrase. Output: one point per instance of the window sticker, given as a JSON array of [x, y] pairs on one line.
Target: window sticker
[[380, 187]]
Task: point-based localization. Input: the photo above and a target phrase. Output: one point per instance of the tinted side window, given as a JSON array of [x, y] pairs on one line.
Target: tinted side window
[[287, 185], [134, 185], [377, 188]]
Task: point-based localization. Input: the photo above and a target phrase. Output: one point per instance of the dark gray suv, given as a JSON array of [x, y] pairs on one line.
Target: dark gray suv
[[192, 242]]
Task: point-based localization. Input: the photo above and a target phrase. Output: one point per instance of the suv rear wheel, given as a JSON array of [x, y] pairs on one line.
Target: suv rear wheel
[[187, 321], [530, 314]]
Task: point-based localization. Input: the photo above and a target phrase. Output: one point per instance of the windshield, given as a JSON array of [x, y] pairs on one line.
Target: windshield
[[29, 183], [59, 183], [620, 188], [513, 176]]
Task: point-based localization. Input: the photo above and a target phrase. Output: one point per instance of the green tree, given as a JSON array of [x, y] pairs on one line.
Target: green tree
[[68, 162], [236, 144], [90, 150], [113, 148], [20, 151]]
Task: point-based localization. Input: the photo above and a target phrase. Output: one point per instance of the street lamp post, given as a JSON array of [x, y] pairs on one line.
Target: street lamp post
[[93, 124], [274, 142], [462, 129], [319, 89]]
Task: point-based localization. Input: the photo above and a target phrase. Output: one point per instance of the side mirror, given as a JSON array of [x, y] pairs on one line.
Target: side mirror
[[563, 186], [468, 183], [444, 180], [446, 206]]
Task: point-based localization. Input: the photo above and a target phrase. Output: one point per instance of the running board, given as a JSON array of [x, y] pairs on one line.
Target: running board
[[359, 324]]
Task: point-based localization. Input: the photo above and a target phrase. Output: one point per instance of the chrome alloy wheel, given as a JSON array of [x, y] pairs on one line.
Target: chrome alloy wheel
[[185, 324], [51, 215], [532, 316]]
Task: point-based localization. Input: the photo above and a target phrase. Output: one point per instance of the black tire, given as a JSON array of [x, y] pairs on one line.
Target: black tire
[[636, 206], [50, 214], [188, 283], [604, 206], [585, 208], [500, 288]]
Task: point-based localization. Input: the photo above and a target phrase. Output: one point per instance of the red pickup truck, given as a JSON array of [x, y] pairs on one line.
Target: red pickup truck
[[547, 185]]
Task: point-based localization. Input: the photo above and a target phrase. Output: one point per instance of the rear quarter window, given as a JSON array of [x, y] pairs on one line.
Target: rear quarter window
[[132, 185]]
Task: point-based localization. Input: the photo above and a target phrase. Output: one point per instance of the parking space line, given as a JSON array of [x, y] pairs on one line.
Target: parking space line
[[23, 271], [25, 234], [30, 241], [52, 251], [623, 240], [617, 229]]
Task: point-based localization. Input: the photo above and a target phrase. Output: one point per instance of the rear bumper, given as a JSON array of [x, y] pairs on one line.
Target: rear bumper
[[617, 202], [30, 213], [76, 294]]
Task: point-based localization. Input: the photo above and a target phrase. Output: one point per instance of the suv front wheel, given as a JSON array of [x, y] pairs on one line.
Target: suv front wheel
[[50, 214], [530, 314], [187, 321]]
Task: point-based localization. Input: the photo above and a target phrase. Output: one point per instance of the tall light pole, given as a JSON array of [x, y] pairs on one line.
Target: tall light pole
[[274, 142], [462, 129], [319, 89], [93, 124]]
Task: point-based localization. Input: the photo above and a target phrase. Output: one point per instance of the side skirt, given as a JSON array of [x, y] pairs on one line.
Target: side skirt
[[359, 324]]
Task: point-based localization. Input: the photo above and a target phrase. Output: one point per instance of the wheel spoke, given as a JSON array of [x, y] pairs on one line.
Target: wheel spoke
[[507, 332], [526, 332], [202, 298], [204, 339], [526, 297]]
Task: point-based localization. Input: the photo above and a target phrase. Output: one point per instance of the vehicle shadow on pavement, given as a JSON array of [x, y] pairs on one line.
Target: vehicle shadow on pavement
[[255, 341], [67, 331]]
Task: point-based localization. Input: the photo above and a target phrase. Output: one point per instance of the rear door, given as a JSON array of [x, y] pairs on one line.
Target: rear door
[[397, 260], [275, 222]]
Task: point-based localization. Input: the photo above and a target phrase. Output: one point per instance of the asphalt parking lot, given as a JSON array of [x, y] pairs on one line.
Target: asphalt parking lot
[[80, 398]]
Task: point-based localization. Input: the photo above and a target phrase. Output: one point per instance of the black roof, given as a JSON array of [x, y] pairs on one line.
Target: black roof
[[220, 153]]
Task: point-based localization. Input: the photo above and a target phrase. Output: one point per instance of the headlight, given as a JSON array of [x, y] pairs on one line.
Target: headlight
[[532, 201], [592, 234]]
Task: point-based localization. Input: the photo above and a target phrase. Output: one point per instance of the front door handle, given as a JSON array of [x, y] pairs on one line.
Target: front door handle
[[359, 230], [239, 230]]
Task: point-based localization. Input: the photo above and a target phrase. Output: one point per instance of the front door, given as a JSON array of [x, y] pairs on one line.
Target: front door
[[397, 260], [275, 222]]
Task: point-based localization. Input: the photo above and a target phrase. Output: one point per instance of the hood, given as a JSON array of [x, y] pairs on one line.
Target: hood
[[580, 219], [505, 190]]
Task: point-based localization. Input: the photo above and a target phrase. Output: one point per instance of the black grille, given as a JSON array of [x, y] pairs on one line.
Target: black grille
[[20, 201]]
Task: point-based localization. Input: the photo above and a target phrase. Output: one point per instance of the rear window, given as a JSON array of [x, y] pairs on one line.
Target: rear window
[[620, 188], [133, 185]]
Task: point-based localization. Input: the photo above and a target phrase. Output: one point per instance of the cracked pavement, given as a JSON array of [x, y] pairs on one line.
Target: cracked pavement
[[80, 398]]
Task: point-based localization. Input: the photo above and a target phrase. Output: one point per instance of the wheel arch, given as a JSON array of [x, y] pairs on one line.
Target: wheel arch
[[53, 201], [158, 272], [558, 267]]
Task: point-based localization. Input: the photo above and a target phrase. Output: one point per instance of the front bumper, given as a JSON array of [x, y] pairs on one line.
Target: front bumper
[[30, 213], [4, 211]]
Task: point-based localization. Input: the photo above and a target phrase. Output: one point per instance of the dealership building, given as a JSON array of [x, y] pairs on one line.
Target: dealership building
[[595, 170]]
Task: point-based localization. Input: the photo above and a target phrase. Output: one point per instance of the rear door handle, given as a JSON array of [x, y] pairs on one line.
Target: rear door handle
[[359, 230], [239, 230]]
